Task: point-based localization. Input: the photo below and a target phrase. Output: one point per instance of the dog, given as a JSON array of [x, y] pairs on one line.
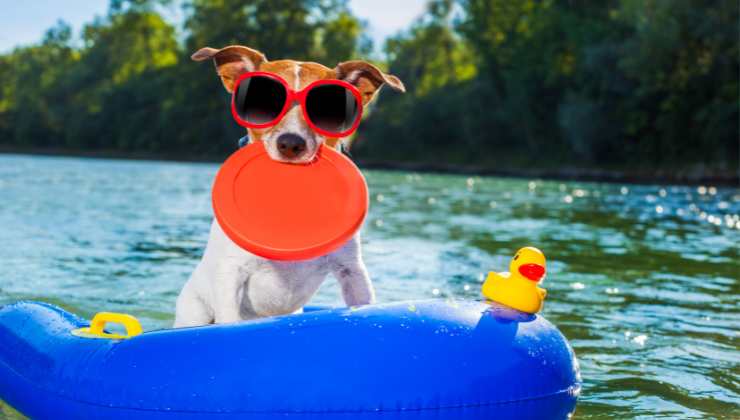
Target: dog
[[230, 284]]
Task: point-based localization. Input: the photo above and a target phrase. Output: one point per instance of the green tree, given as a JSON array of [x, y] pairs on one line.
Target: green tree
[[494, 83], [620, 83], [684, 61], [437, 68], [317, 30], [32, 109], [125, 57]]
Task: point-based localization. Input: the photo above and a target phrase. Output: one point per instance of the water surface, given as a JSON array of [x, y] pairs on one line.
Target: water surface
[[643, 280]]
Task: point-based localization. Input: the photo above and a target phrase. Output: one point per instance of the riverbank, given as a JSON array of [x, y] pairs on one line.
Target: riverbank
[[693, 176]]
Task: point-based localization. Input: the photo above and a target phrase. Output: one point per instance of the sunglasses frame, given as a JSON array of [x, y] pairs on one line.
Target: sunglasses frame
[[300, 96]]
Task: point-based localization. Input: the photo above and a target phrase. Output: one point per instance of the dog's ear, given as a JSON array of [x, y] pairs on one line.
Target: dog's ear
[[367, 78], [231, 62]]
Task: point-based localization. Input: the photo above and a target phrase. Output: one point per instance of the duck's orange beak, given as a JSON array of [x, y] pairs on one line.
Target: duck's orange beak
[[533, 272]]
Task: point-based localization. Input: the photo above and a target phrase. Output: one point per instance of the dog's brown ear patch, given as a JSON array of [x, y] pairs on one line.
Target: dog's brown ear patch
[[231, 62], [367, 78]]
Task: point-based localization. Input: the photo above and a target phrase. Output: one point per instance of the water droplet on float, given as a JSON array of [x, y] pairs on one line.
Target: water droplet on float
[[702, 190], [662, 192], [624, 190], [379, 223], [492, 204], [712, 190], [532, 185], [611, 290], [435, 292], [568, 199], [659, 209], [470, 182], [466, 287], [579, 193], [431, 200], [380, 198], [578, 286]]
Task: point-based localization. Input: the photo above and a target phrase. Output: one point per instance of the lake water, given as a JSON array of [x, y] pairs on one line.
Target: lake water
[[643, 280]]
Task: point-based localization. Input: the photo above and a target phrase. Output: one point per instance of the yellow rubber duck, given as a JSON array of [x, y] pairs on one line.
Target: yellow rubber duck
[[518, 288]]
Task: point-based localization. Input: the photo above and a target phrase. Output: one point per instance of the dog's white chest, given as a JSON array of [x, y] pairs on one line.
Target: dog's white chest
[[230, 284], [275, 288]]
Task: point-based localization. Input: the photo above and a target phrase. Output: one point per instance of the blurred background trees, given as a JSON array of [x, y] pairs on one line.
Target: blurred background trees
[[500, 84]]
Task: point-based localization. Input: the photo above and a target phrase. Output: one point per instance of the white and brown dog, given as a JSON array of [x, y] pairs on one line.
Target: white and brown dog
[[230, 284]]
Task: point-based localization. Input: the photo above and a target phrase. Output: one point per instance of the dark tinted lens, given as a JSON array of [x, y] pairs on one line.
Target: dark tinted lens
[[259, 99], [332, 108]]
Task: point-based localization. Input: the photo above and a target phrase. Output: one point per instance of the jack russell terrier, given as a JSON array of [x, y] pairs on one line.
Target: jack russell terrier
[[281, 104]]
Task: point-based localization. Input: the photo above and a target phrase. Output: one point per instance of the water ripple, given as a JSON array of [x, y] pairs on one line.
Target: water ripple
[[643, 279]]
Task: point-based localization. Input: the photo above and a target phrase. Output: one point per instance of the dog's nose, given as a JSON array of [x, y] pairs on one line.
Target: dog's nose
[[291, 145]]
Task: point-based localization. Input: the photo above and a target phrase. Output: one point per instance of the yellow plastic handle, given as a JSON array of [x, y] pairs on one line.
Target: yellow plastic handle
[[97, 326]]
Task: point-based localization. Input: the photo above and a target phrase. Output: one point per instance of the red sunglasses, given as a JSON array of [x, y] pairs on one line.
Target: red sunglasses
[[331, 107]]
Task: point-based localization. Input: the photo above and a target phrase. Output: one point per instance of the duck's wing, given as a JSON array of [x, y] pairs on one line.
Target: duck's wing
[[493, 276], [492, 284]]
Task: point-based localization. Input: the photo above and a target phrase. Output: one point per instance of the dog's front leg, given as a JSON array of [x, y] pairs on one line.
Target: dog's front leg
[[228, 290], [349, 269]]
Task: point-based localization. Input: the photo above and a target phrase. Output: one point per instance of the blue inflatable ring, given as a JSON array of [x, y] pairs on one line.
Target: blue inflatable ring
[[411, 360]]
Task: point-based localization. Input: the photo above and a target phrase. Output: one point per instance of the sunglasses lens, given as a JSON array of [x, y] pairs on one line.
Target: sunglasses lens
[[332, 108], [259, 99]]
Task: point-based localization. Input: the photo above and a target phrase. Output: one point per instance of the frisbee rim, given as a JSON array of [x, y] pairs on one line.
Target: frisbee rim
[[230, 170]]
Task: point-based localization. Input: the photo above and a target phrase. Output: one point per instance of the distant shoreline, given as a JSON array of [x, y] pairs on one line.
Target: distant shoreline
[[664, 176]]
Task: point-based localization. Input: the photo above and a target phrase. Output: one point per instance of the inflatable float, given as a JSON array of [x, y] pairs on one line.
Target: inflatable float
[[413, 360]]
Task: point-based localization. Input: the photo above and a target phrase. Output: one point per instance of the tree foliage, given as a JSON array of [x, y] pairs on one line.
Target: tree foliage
[[618, 83], [628, 83]]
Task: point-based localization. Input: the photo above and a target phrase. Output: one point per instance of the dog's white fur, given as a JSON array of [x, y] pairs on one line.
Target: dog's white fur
[[230, 284]]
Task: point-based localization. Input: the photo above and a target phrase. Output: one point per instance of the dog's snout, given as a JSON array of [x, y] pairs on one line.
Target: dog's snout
[[291, 145]]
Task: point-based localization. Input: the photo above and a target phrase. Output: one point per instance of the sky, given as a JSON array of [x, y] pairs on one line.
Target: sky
[[25, 21]]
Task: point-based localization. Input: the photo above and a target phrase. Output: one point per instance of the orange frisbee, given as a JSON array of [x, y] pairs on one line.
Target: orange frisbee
[[283, 211]]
